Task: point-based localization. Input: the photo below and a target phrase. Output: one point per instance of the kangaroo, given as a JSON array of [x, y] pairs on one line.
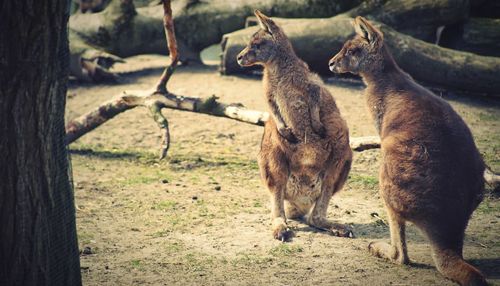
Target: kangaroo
[[431, 173], [305, 155]]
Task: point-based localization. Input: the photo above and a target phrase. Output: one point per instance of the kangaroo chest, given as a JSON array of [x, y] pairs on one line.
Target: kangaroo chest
[[376, 106]]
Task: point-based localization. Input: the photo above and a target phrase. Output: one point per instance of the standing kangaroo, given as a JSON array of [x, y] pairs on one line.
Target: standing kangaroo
[[431, 173], [305, 155]]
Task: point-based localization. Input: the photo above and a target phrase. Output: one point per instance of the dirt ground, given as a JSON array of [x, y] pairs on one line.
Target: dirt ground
[[202, 217]]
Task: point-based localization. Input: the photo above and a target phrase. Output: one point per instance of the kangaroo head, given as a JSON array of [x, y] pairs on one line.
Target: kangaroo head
[[265, 44], [361, 53]]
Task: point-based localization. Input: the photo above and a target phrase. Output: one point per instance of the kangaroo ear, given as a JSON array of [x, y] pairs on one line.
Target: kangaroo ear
[[266, 23], [367, 31]]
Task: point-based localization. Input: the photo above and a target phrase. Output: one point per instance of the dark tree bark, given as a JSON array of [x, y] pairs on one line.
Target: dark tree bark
[[38, 244]]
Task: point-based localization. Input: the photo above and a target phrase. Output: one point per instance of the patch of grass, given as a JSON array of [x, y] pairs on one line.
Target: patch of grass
[[190, 161], [165, 205], [85, 237], [203, 210], [285, 249], [174, 247], [257, 204], [97, 151], [175, 220], [489, 207], [486, 116], [138, 180], [489, 147], [197, 262], [136, 263], [160, 233], [246, 259], [370, 182]]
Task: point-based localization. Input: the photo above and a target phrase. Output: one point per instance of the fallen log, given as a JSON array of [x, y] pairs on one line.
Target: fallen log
[[90, 64], [485, 8], [123, 30], [317, 40], [419, 19]]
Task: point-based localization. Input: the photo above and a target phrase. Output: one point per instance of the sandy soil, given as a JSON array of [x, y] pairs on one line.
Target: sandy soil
[[201, 216]]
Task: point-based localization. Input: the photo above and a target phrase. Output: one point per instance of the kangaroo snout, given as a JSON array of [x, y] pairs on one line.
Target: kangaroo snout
[[243, 58], [331, 64], [239, 58]]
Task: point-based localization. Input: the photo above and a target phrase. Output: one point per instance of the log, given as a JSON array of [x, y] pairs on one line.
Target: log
[[419, 19], [317, 40], [123, 30], [476, 35], [90, 64], [154, 100], [485, 8]]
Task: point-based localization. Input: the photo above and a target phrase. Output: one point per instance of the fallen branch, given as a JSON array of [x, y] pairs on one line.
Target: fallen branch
[[155, 101]]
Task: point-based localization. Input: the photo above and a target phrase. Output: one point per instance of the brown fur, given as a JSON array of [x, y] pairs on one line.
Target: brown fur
[[305, 156], [432, 172]]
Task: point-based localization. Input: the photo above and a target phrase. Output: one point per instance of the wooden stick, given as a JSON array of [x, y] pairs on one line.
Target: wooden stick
[[168, 24], [161, 87]]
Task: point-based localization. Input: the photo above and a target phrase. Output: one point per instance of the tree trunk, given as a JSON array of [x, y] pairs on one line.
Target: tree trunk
[[315, 41], [38, 244]]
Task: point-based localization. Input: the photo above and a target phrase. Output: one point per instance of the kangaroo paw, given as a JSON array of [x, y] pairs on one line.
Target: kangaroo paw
[[319, 129], [286, 132], [281, 231]]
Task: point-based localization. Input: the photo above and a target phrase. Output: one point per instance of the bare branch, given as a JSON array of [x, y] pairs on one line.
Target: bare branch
[[168, 24]]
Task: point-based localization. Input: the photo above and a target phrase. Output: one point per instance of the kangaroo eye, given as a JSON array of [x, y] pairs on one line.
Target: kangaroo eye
[[352, 51]]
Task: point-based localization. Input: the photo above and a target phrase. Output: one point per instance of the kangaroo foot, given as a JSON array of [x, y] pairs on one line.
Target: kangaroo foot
[[281, 230], [385, 250]]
